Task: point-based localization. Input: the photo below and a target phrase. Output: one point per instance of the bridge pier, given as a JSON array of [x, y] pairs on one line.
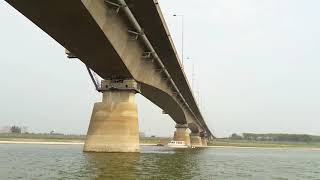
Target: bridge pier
[[181, 134], [204, 141], [114, 121], [195, 140]]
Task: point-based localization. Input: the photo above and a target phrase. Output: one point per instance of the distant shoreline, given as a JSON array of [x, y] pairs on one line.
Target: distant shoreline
[[57, 143], [276, 148], [262, 144], [42, 142], [32, 141], [60, 139]]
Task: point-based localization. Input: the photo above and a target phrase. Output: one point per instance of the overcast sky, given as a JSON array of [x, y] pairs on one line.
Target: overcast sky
[[256, 66]]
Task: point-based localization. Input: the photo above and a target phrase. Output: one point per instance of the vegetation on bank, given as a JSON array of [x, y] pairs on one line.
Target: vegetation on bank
[[270, 140], [264, 144], [277, 137], [41, 137]]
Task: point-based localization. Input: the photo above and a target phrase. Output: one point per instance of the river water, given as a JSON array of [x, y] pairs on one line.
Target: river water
[[25, 161]]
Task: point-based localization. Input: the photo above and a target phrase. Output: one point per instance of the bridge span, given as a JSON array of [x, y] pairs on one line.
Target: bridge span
[[127, 43]]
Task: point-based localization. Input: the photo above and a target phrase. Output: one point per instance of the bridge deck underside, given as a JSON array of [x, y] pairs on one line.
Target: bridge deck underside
[[147, 13], [71, 25]]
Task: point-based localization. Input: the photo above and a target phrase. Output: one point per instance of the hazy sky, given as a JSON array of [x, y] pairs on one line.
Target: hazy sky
[[256, 65]]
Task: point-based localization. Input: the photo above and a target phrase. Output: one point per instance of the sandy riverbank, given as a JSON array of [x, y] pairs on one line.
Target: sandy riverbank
[[40, 142], [276, 148], [55, 143]]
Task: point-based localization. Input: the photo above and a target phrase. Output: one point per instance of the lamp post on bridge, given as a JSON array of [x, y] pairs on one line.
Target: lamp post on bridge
[[182, 34]]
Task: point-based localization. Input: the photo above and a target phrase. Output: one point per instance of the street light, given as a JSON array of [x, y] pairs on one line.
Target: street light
[[182, 36]]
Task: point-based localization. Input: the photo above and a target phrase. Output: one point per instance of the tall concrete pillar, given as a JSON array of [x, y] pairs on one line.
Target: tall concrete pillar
[[181, 134], [204, 141], [114, 121], [195, 140]]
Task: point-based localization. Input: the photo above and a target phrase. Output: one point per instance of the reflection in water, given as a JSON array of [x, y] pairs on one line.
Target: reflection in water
[[152, 163], [113, 165], [69, 162], [180, 164]]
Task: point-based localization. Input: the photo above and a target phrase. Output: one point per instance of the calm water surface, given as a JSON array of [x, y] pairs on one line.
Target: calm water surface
[[24, 161]]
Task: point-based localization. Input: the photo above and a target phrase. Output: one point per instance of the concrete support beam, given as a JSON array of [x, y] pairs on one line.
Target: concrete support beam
[[114, 123], [181, 134], [195, 140]]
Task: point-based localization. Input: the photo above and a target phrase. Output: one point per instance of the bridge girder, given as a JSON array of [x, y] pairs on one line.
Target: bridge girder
[[99, 38]]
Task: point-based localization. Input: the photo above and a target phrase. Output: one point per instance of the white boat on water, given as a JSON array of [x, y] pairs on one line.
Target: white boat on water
[[177, 144]]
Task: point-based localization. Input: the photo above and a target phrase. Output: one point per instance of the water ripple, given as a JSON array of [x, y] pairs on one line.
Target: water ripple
[[69, 162]]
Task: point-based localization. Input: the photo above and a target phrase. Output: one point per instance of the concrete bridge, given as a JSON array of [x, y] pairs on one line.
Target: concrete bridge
[[128, 44]]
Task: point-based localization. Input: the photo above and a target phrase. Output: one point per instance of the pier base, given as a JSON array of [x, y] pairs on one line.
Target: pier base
[[195, 140], [204, 141], [181, 134], [114, 124]]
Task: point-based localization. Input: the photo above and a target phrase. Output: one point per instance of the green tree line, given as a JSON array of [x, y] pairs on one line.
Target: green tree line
[[277, 137]]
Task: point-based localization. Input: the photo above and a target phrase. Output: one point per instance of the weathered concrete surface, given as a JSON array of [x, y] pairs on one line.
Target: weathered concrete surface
[[195, 140], [204, 141], [181, 134], [114, 124]]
